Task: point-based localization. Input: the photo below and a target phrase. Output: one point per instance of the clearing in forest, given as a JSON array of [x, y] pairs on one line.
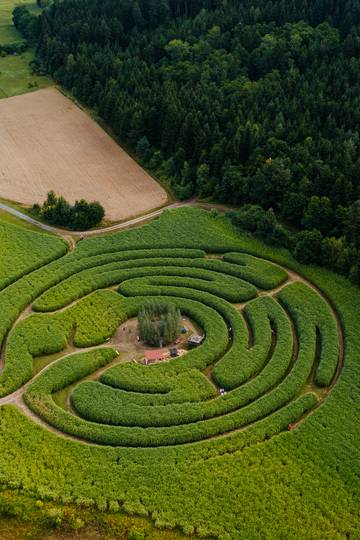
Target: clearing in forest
[[48, 143], [8, 32]]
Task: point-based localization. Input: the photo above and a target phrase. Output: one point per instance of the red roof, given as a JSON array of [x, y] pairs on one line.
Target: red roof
[[156, 354]]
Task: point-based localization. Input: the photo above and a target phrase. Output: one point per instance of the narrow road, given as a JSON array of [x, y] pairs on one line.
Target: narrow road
[[20, 215], [111, 228]]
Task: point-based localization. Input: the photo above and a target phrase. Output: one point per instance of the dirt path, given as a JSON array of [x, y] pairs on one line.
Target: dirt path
[[17, 397], [112, 228]]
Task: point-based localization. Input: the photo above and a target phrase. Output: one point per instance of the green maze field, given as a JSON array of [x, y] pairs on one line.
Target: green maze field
[[273, 356], [266, 382]]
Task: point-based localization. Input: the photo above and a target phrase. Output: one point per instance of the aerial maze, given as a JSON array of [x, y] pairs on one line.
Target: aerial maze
[[271, 354]]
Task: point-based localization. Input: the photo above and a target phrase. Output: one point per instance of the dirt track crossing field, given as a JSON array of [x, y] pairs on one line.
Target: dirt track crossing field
[[48, 143]]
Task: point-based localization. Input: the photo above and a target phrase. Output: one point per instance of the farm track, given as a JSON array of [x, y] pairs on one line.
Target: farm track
[[16, 398], [111, 228]]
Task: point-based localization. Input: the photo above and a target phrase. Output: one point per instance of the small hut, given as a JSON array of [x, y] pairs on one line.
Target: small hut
[[155, 355], [195, 340]]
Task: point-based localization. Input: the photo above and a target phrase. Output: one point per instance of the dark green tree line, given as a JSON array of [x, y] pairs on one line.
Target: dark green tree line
[[246, 101]]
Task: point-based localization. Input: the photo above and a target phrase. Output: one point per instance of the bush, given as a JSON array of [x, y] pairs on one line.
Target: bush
[[308, 247], [81, 216], [136, 534], [262, 223]]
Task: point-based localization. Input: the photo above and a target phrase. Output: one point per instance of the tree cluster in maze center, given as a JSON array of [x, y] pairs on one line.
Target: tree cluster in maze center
[[159, 323]]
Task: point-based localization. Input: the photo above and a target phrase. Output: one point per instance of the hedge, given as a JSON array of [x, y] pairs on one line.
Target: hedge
[[66, 371]]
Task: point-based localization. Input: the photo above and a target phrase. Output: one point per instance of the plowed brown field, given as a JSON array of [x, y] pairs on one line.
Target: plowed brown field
[[48, 143]]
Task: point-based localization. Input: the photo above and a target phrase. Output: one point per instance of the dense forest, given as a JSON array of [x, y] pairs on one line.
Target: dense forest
[[253, 102]]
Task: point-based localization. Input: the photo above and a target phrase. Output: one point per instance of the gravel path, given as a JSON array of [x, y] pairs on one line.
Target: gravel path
[[111, 228]]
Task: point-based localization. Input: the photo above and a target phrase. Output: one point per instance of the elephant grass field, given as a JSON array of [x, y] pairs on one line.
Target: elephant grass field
[[251, 435]]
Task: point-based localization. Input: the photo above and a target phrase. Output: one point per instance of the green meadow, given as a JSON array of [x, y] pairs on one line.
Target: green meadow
[[16, 76], [9, 34]]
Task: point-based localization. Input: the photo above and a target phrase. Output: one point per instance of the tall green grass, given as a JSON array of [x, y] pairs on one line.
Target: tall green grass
[[229, 468]]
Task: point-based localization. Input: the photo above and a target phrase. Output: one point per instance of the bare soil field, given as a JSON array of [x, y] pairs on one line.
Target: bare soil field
[[48, 143]]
